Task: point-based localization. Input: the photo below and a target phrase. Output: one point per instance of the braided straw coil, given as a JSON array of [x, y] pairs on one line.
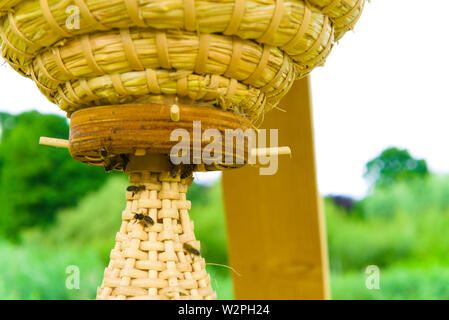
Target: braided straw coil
[[138, 49], [142, 87], [264, 68], [151, 262]]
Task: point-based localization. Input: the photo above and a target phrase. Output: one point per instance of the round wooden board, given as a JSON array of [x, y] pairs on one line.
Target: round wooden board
[[117, 131]]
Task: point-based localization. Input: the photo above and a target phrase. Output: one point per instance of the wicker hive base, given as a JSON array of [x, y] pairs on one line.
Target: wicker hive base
[[151, 262]]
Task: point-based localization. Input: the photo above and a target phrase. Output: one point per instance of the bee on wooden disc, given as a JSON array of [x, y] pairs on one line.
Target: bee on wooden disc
[[103, 152], [107, 160], [187, 170], [190, 249], [174, 170], [112, 161], [144, 220]]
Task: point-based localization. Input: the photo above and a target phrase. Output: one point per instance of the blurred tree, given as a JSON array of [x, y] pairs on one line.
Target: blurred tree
[[4, 118], [36, 181], [394, 165]]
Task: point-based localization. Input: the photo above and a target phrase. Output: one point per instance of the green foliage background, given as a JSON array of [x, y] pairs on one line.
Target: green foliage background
[[84, 236], [37, 181], [407, 241], [55, 213], [394, 165]]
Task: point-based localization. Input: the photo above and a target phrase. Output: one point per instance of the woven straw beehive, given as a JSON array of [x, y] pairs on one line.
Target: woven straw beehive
[[150, 262], [241, 56]]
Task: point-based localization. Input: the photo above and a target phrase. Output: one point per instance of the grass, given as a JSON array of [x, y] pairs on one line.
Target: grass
[[39, 272], [396, 283], [407, 240]]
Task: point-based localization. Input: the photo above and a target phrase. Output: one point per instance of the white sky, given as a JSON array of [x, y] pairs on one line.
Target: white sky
[[384, 85]]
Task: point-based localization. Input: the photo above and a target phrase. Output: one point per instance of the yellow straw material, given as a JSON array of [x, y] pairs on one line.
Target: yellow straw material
[[278, 23], [7, 4], [159, 86], [244, 63], [343, 13], [239, 55], [211, 54]]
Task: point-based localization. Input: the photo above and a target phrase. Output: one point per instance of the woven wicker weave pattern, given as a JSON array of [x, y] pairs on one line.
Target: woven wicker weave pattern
[[150, 262]]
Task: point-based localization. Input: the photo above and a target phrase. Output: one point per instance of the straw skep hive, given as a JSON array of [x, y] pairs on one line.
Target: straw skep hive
[[128, 72], [246, 96], [243, 40]]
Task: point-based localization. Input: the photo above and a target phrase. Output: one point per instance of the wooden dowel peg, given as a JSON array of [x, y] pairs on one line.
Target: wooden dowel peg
[[140, 152], [54, 142], [175, 113], [271, 151]]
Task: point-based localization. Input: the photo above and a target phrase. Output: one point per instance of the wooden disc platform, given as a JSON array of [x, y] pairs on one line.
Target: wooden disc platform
[[108, 135]]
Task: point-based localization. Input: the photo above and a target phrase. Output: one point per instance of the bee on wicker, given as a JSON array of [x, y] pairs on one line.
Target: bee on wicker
[[135, 189], [145, 220], [190, 249]]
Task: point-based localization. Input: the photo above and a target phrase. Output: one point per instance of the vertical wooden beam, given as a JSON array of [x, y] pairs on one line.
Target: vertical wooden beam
[[275, 223]]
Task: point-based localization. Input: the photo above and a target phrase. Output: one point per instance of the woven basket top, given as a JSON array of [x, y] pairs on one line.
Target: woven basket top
[[240, 55]]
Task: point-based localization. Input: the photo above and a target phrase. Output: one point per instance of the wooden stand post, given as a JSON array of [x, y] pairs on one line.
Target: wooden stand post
[[275, 224]]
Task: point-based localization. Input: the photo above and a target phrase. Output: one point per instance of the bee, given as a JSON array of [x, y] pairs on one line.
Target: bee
[[123, 161], [187, 170], [112, 161], [107, 160], [118, 163], [135, 189], [109, 164], [144, 220], [190, 249], [103, 152], [174, 169]]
